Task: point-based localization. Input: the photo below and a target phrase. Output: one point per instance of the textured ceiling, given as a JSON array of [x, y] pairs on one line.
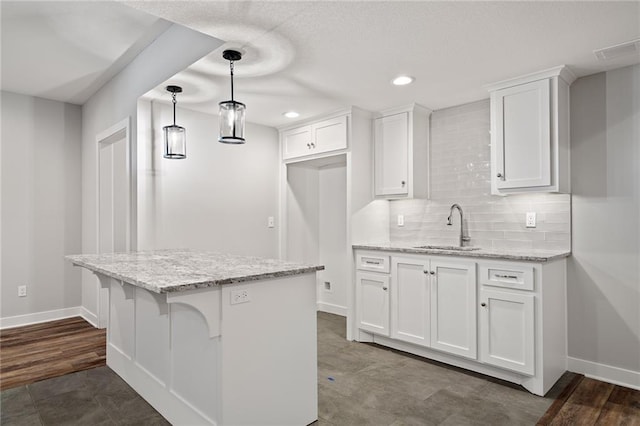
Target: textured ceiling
[[314, 57]]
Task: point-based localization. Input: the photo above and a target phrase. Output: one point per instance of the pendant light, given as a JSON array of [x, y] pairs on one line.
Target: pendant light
[[175, 137], [231, 112]]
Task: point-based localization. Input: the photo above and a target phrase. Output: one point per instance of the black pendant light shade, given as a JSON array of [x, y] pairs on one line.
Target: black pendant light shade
[[175, 137], [231, 112]]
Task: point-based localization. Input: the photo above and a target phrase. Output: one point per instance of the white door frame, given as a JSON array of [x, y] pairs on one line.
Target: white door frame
[[115, 133]]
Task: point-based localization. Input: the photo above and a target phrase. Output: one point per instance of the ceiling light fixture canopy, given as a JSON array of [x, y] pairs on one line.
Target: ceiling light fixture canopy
[[175, 137], [402, 80], [231, 112]]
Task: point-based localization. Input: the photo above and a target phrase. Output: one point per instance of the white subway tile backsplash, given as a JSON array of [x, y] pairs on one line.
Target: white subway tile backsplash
[[460, 173]]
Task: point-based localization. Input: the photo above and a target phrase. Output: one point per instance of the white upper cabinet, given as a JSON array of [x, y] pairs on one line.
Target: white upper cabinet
[[316, 138], [401, 150], [296, 142], [530, 133]]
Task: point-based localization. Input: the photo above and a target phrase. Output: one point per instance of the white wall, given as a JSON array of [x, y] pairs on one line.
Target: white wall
[[41, 204], [219, 198], [332, 238], [604, 270], [303, 210], [117, 101]]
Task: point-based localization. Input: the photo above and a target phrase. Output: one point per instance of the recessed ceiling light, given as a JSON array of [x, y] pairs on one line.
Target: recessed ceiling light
[[402, 80], [291, 114]]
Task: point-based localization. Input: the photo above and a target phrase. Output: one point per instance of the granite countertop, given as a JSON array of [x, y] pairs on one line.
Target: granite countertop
[[166, 271], [521, 255]]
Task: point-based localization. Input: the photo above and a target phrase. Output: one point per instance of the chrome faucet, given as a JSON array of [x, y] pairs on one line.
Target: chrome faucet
[[463, 237]]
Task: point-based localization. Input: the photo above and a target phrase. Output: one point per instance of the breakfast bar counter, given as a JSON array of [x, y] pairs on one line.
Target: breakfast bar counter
[[210, 338]]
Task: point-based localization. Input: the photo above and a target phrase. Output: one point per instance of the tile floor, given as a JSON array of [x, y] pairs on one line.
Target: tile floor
[[359, 384], [91, 397], [363, 384]]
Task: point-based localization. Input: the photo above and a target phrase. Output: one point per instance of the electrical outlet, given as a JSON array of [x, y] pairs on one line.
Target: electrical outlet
[[239, 296], [22, 291], [271, 222], [327, 286], [400, 220], [531, 220]]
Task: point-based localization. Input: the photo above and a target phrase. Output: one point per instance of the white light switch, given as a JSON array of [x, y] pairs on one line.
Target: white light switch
[[531, 220], [400, 220], [271, 222]]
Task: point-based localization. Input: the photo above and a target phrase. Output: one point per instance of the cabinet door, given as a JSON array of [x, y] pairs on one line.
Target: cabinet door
[[507, 330], [373, 302], [453, 308], [410, 296], [296, 142], [523, 136], [329, 135], [391, 155]]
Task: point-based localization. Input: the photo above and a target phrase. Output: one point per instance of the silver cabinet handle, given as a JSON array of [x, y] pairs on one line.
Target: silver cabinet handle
[[483, 304], [309, 146], [403, 183], [500, 176], [513, 277], [313, 145], [371, 262], [385, 288], [433, 272]]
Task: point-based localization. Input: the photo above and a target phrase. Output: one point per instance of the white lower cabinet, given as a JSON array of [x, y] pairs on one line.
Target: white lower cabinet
[[453, 307], [431, 301], [373, 302], [410, 295], [507, 330], [492, 316]]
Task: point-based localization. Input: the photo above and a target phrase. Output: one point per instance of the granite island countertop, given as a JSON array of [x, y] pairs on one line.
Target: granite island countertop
[[166, 271], [486, 253]]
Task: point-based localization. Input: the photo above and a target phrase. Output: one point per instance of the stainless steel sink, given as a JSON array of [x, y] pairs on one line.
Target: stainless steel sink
[[456, 248]]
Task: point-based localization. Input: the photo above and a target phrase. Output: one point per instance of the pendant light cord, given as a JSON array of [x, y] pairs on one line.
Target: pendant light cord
[[231, 67], [174, 107]]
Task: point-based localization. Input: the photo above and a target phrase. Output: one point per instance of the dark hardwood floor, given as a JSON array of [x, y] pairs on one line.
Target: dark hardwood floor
[[586, 401], [41, 351]]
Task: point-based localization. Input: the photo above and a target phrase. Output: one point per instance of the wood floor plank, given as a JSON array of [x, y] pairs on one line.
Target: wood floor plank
[[585, 403], [562, 398], [42, 351], [622, 408]]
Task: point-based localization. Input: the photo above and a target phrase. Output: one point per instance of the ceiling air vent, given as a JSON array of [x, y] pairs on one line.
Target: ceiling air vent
[[622, 49]]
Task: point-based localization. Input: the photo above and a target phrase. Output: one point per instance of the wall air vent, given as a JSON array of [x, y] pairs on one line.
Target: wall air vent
[[623, 49]]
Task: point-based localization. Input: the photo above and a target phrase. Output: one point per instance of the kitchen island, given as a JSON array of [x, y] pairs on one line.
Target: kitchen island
[[213, 339]]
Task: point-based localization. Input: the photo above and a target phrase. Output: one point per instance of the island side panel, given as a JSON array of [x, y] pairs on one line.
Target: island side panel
[[165, 352], [269, 352]]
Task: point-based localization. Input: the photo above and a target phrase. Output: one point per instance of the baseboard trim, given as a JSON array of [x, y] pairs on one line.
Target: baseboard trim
[[605, 373], [332, 309], [89, 316], [38, 317]]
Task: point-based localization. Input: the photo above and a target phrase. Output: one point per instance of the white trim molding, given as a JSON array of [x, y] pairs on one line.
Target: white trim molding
[[89, 317], [38, 317], [605, 373], [332, 309]]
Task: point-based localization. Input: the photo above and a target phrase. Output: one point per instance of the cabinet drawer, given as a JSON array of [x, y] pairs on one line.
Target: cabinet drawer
[[372, 262], [507, 276]]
